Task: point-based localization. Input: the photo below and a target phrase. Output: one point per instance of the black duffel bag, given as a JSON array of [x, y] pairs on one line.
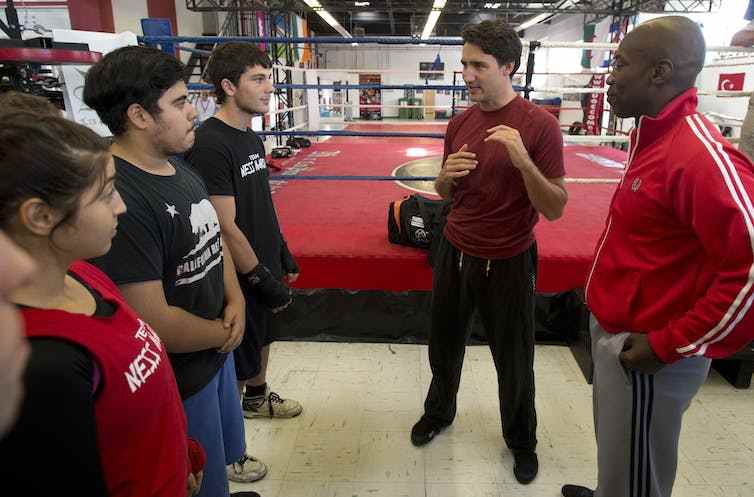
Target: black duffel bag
[[416, 221]]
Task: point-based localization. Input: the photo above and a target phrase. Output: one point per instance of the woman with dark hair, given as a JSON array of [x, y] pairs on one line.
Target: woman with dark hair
[[102, 414]]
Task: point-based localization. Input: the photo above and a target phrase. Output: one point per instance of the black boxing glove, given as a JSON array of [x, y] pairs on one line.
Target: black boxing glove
[[266, 289], [288, 261]]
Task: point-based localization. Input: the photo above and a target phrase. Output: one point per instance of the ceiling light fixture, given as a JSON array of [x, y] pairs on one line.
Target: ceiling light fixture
[[328, 18], [434, 15], [541, 17]]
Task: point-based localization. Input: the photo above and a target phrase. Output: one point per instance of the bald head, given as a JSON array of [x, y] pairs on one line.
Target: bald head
[[674, 39]]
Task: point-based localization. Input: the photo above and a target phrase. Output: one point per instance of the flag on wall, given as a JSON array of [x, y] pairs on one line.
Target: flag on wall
[[306, 57], [261, 31], [295, 33], [731, 81], [279, 30]]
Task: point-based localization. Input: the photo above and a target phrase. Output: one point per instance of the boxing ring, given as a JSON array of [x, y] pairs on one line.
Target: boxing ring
[[338, 229], [332, 201]]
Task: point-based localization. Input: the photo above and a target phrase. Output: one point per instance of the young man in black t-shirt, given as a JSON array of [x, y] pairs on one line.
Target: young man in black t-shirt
[[231, 159], [167, 257]]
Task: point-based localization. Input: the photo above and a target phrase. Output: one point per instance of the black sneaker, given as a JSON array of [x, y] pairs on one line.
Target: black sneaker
[[247, 493], [424, 431], [576, 491], [526, 465]]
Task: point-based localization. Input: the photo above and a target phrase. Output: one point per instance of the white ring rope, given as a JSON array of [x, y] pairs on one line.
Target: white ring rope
[[447, 107], [383, 71], [614, 46], [390, 106], [747, 62], [360, 71], [574, 90], [594, 139], [592, 181], [297, 127], [567, 90], [286, 109], [725, 93], [582, 72], [290, 68]]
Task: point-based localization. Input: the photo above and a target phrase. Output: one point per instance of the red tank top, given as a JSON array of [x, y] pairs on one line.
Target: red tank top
[[141, 425]]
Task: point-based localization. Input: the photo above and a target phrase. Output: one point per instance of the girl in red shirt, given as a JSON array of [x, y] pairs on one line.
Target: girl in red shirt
[[101, 396]]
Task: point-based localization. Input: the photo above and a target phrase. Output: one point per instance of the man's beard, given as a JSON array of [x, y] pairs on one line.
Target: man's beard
[[167, 149]]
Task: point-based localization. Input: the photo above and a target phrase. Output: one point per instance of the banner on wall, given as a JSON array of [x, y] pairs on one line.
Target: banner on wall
[[594, 106], [429, 70], [72, 77], [370, 99], [731, 81]]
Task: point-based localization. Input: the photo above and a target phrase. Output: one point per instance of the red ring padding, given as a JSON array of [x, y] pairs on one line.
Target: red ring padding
[[51, 56]]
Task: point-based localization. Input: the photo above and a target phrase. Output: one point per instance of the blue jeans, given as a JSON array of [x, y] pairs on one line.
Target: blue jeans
[[216, 421]]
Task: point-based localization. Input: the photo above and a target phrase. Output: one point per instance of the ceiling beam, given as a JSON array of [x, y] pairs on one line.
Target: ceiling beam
[[392, 17]]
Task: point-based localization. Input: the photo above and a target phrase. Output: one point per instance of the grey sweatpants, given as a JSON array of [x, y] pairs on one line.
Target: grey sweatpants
[[747, 131], [637, 419]]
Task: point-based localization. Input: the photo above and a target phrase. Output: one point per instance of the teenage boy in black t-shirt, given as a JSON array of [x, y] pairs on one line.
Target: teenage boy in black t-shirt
[[167, 257], [231, 159]]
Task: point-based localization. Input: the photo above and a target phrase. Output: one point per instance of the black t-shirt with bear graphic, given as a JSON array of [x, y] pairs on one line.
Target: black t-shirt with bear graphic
[[171, 233]]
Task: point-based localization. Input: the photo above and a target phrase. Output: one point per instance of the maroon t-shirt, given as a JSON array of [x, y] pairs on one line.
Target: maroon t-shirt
[[492, 216]]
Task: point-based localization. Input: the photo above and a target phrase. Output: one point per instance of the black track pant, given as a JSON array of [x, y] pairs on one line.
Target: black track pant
[[503, 292]]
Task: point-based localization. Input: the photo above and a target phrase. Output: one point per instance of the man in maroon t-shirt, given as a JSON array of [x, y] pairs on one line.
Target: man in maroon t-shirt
[[502, 167]]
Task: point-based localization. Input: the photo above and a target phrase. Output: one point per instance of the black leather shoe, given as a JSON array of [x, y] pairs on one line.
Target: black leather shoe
[[424, 431], [526, 465], [576, 491], [245, 494]]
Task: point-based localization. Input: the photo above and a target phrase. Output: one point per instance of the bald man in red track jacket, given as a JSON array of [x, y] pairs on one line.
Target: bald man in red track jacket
[[676, 260], [673, 278]]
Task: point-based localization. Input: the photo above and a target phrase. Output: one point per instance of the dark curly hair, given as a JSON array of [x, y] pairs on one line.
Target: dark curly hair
[[497, 39], [126, 76], [229, 61]]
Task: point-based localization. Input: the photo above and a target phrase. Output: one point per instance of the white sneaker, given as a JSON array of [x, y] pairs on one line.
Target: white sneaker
[[271, 405], [246, 470]]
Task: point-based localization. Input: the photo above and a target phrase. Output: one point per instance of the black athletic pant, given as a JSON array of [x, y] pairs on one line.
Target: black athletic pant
[[503, 292]]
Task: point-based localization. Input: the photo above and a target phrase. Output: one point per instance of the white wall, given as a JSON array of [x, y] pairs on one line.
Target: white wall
[[387, 60], [128, 14], [189, 22], [563, 28]]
